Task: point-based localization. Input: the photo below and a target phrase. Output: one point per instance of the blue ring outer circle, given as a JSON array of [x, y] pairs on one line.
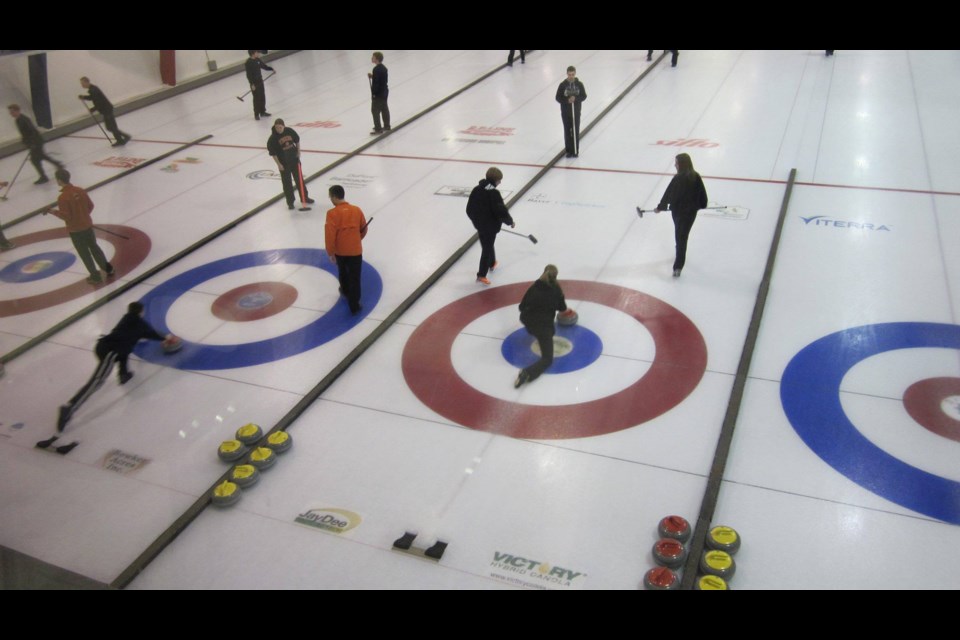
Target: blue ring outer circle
[[810, 394], [128, 254], [60, 261], [199, 357]]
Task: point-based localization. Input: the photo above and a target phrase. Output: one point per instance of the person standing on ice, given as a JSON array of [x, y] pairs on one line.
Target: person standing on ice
[[685, 195], [487, 212], [570, 94]]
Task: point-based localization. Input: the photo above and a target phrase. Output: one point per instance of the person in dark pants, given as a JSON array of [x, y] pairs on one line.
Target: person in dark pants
[[538, 309], [487, 212], [284, 147], [379, 91], [113, 348], [75, 208], [105, 107], [673, 60], [254, 66], [570, 94], [5, 245], [685, 195], [344, 230], [33, 141], [510, 57]]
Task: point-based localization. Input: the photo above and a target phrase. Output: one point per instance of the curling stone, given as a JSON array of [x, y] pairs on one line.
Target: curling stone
[[670, 553], [279, 441], [225, 494], [674, 527], [723, 539], [244, 475], [567, 318], [263, 458], [661, 579], [249, 433], [231, 450], [172, 345], [718, 563], [711, 583]]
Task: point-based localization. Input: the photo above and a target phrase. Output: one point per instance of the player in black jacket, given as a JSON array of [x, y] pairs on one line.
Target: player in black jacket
[[571, 92], [379, 90], [105, 107], [253, 67], [685, 195], [283, 145], [113, 348], [487, 212], [33, 141], [538, 309]]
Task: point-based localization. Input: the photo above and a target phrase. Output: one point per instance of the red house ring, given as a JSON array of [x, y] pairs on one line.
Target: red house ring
[[678, 366], [128, 254]]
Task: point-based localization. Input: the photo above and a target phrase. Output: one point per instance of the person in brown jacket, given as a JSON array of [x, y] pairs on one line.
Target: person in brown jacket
[[345, 228], [75, 207]]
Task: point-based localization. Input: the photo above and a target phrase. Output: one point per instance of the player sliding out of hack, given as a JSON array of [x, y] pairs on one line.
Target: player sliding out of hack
[[540, 304], [113, 348]]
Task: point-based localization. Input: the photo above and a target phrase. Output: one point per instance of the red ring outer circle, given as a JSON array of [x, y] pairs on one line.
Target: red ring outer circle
[[678, 366], [127, 256]]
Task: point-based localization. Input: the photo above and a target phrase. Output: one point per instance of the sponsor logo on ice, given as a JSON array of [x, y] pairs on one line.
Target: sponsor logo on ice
[[328, 519], [825, 221], [488, 131], [319, 124], [263, 174], [464, 192], [122, 462], [533, 573], [119, 162], [702, 143]]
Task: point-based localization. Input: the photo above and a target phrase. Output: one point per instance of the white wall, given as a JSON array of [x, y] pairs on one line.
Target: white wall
[[122, 75]]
